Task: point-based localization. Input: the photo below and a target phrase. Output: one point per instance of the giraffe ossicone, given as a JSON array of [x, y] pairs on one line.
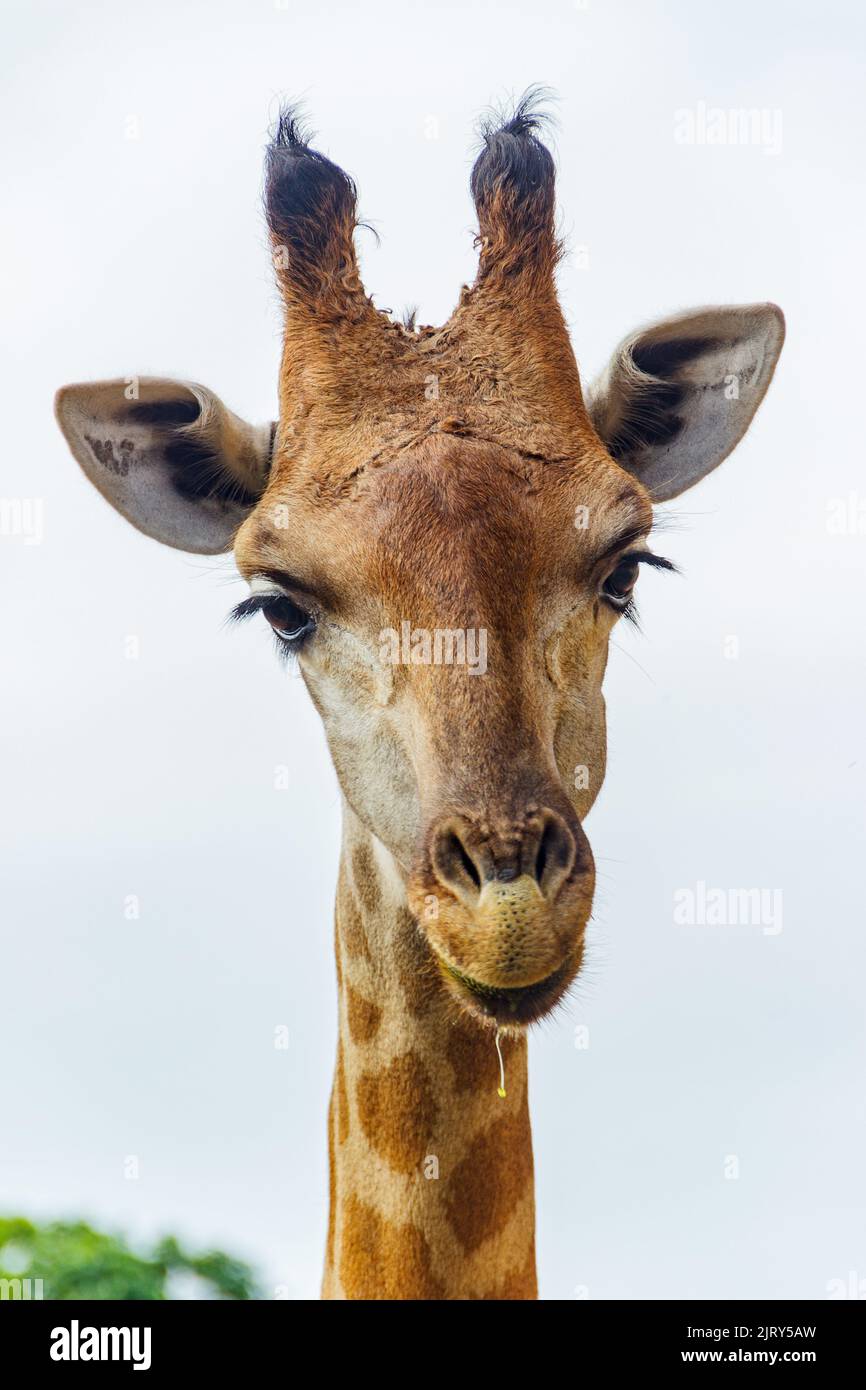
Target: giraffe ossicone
[[442, 483]]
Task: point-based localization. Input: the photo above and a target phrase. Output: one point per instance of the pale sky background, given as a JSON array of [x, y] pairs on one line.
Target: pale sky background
[[155, 777]]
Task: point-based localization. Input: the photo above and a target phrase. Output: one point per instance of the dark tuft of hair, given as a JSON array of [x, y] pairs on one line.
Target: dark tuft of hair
[[511, 149], [528, 117], [310, 203], [290, 132], [513, 178]]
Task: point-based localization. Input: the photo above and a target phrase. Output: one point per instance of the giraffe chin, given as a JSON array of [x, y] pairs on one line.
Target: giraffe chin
[[510, 1008]]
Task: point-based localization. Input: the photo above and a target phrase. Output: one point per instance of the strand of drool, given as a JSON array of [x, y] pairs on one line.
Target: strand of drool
[[501, 1090]]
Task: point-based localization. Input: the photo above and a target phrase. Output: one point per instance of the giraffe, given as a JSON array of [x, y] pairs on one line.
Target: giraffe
[[425, 493]]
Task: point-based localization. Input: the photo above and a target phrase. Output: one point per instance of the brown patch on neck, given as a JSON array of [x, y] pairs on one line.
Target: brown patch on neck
[[397, 1109], [364, 1016], [383, 1260], [486, 1186], [350, 924], [365, 880], [520, 1284]]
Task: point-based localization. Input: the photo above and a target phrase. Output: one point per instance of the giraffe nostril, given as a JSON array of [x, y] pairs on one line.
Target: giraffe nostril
[[454, 865], [554, 856], [460, 854]]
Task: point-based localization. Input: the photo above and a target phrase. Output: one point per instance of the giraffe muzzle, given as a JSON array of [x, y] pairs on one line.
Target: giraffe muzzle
[[504, 909]]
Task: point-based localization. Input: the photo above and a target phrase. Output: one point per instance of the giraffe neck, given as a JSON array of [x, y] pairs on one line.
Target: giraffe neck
[[431, 1192]]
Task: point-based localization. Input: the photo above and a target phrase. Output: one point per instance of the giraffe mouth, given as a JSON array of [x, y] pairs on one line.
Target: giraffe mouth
[[510, 1007]]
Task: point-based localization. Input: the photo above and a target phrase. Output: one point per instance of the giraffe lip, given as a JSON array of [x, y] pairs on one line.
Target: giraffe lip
[[520, 1006]]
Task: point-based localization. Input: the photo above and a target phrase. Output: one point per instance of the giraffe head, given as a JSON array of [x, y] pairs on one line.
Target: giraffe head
[[444, 530]]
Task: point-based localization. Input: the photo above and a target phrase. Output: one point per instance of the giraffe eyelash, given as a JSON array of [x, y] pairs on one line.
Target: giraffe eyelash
[[629, 609], [291, 629], [248, 607]]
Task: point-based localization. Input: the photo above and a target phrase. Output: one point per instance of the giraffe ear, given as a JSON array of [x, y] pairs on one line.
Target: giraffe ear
[[169, 456], [678, 396]]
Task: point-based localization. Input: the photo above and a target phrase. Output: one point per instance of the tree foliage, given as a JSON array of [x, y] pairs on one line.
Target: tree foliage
[[75, 1261]]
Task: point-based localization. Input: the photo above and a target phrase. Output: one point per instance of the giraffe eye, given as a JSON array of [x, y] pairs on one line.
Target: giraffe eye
[[290, 623], [619, 585]]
